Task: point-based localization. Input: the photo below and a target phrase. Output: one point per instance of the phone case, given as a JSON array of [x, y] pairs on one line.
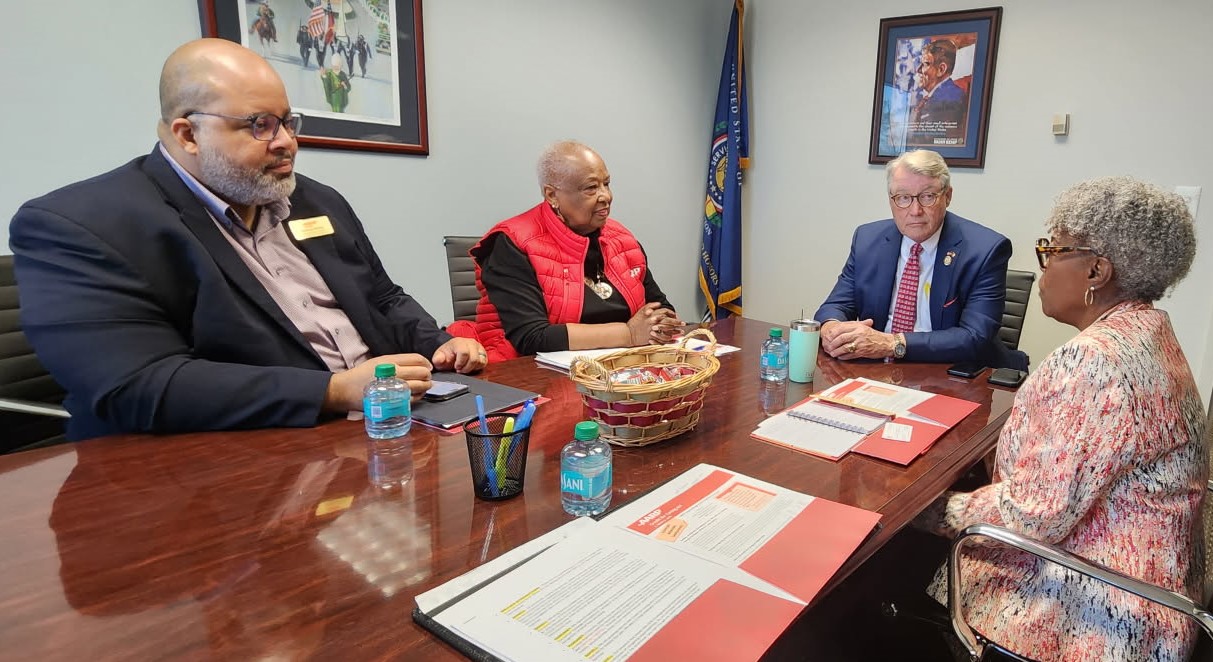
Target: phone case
[[1007, 377], [968, 372], [439, 395]]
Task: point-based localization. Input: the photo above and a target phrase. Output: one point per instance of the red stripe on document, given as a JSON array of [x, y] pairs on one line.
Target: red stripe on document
[[655, 518]]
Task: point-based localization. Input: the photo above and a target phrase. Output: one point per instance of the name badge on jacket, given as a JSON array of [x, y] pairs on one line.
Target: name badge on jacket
[[308, 228]]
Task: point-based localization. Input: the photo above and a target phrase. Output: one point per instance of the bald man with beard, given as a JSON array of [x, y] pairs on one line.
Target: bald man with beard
[[206, 285]]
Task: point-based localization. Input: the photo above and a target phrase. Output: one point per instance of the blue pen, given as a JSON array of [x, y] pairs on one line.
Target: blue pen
[[524, 421], [489, 471]]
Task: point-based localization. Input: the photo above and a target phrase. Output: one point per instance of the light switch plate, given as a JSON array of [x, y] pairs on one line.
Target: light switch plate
[[1191, 195]]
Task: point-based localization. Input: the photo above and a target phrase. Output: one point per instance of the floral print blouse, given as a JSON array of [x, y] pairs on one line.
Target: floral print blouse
[[1103, 455]]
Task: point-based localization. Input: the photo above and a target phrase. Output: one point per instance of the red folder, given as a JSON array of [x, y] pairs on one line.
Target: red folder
[[943, 409]]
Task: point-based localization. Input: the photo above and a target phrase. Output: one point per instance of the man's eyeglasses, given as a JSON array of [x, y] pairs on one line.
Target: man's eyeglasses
[[264, 125], [926, 199], [1044, 251]]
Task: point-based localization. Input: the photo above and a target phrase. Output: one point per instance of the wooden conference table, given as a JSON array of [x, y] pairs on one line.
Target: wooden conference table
[[271, 544]]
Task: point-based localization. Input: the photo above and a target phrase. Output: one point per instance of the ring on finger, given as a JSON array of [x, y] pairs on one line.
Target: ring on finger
[[851, 347]]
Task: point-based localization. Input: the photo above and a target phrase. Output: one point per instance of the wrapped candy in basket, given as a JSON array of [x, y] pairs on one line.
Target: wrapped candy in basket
[[643, 395]]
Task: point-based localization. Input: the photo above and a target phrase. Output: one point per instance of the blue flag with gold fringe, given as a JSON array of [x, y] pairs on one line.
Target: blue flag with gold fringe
[[720, 255]]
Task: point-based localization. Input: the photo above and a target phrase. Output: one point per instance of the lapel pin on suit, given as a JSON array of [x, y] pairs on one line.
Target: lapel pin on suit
[[947, 259]]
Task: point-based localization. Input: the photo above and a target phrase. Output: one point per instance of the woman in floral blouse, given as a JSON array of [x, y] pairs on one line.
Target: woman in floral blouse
[[1103, 453]]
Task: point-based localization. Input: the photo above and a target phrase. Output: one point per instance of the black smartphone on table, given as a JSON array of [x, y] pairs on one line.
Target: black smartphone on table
[[967, 369], [1007, 377], [442, 391]]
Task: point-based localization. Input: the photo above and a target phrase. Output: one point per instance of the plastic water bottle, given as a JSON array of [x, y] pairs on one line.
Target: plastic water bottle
[[772, 396], [388, 416], [585, 472], [774, 357]]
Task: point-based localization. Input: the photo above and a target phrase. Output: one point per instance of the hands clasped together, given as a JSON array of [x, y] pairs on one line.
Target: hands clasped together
[[463, 355], [856, 340], [653, 325]]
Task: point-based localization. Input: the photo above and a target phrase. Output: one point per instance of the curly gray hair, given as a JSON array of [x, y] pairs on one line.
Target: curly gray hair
[[1144, 231]]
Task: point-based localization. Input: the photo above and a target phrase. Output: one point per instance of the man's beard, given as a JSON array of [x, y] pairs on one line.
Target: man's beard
[[240, 185]]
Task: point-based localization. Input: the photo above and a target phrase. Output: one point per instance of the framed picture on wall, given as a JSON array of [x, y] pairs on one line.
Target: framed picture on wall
[[354, 68], [934, 83]]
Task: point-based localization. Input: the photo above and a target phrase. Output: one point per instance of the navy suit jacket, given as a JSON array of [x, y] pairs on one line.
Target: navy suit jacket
[[968, 291], [141, 309]]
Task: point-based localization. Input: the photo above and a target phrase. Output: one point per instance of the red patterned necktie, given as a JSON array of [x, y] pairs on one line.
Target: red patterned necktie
[[906, 310]]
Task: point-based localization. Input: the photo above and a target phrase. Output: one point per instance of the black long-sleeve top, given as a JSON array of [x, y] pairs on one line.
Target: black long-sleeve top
[[513, 289]]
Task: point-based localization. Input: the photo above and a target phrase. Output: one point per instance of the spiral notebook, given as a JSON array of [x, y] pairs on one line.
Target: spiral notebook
[[852, 420], [820, 428]]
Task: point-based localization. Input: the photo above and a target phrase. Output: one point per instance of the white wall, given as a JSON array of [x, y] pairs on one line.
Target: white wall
[[1133, 76], [633, 78], [637, 80]]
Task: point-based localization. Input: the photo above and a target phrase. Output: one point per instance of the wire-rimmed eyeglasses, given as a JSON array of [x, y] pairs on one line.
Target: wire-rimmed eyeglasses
[[264, 125], [1044, 251], [926, 199]]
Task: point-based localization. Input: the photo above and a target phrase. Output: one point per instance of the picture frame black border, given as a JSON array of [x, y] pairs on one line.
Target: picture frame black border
[[221, 18], [973, 154]]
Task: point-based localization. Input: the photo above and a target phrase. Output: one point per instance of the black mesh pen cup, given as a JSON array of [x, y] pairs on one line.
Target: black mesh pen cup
[[497, 457]]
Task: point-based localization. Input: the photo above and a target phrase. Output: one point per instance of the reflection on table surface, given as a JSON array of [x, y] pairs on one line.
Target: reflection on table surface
[[272, 544]]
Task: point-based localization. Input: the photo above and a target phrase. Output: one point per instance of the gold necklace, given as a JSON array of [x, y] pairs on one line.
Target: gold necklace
[[600, 287]]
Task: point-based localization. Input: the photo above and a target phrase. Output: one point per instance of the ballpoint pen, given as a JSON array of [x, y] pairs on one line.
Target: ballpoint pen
[[489, 472], [524, 422]]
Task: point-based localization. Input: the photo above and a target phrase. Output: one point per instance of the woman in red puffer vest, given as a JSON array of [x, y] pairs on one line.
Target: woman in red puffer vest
[[563, 274]]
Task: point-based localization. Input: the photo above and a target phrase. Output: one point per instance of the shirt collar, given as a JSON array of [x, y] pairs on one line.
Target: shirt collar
[[218, 208], [928, 245]]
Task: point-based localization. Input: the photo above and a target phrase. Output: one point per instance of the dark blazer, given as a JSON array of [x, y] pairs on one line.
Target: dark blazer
[[968, 291], [149, 319]]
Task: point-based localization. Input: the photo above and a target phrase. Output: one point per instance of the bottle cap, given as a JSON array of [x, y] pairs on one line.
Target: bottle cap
[[385, 370], [585, 431], [776, 333]]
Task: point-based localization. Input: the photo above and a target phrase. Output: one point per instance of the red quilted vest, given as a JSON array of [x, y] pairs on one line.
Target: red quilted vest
[[558, 256]]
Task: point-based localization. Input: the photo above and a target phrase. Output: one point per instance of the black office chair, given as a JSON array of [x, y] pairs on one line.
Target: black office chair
[[1019, 292], [463, 276], [979, 648], [30, 412]]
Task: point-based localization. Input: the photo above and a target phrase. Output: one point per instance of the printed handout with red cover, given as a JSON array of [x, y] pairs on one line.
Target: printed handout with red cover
[[792, 540], [713, 565]]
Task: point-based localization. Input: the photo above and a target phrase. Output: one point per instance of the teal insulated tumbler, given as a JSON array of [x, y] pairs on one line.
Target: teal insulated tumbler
[[802, 354]]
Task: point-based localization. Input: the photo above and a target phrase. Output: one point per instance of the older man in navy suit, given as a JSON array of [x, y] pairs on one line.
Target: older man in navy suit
[[925, 285], [205, 286]]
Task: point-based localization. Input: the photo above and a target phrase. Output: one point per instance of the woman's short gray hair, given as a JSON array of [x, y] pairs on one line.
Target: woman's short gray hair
[[555, 165], [1144, 231]]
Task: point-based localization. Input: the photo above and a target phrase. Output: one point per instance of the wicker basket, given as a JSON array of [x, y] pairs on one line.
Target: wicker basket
[[641, 414]]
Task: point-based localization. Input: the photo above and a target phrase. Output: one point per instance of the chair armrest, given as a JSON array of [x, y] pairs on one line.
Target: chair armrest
[[33, 407], [1096, 571]]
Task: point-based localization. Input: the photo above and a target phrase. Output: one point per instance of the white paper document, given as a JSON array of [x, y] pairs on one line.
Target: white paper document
[[564, 360], [599, 596], [720, 516]]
